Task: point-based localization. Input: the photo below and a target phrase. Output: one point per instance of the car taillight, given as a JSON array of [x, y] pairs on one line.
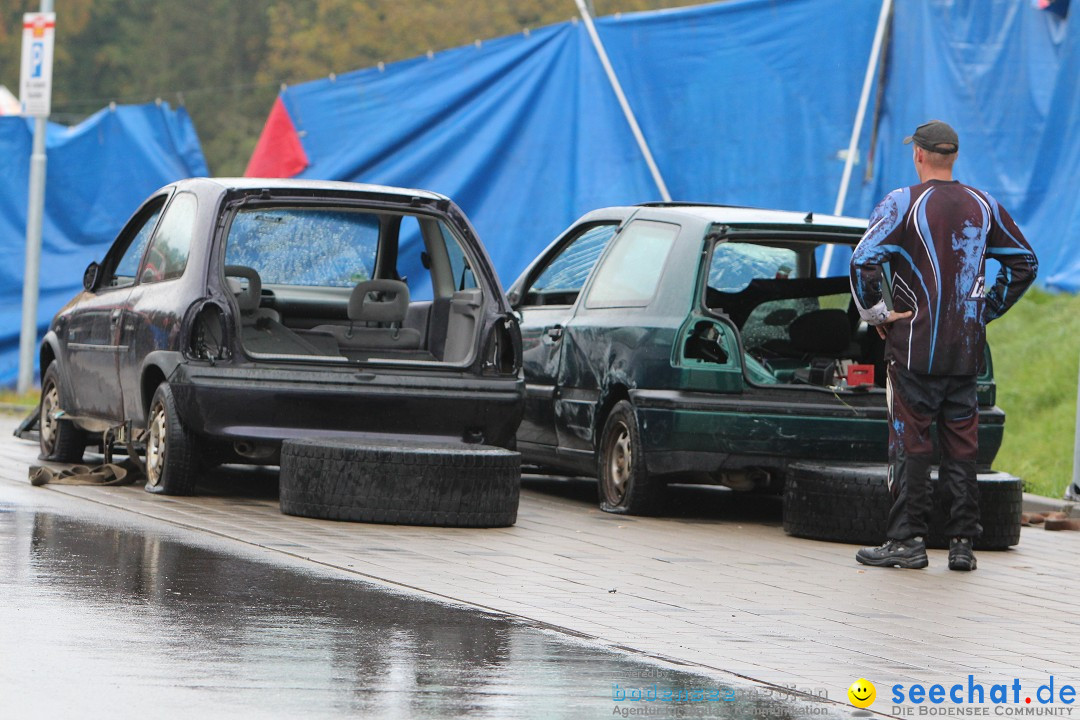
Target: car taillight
[[502, 356], [207, 339]]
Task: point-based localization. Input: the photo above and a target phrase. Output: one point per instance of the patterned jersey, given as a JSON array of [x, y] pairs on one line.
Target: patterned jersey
[[929, 243]]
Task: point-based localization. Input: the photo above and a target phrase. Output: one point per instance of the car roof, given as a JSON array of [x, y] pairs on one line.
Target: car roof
[[749, 216], [246, 183]]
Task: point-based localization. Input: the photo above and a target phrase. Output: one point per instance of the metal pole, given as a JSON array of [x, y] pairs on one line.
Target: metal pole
[[623, 103], [860, 114], [31, 277], [1076, 447]]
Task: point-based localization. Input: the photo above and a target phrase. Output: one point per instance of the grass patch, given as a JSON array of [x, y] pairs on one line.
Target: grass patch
[[10, 397], [1036, 350]]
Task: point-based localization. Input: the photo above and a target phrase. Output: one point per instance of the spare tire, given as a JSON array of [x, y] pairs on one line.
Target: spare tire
[[442, 484], [850, 503]]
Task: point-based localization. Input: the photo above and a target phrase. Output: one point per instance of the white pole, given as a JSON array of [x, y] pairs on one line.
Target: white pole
[[31, 276], [1076, 446], [860, 114], [623, 103]]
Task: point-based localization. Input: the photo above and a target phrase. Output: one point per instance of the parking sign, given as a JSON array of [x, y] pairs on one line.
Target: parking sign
[[35, 86]]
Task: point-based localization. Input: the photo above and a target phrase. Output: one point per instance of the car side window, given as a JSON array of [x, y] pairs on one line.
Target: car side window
[[560, 282], [631, 272], [128, 266], [459, 264], [168, 254]]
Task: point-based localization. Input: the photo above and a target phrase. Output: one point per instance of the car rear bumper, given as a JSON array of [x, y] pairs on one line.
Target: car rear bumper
[[259, 403], [699, 432]]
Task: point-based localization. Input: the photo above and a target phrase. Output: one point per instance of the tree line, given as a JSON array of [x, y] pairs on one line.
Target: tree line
[[225, 60]]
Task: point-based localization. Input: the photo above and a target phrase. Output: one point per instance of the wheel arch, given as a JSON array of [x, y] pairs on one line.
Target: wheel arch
[[613, 394], [152, 377], [157, 368], [47, 353]]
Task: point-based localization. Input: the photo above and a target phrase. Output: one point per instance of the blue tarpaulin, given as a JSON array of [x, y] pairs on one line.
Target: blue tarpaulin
[[741, 102], [744, 102], [98, 173], [1004, 74]]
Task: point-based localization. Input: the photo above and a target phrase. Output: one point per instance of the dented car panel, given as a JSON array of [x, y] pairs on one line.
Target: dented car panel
[[708, 406]]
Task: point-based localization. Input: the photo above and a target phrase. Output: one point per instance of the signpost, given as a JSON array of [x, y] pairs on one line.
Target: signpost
[[35, 77], [35, 97]]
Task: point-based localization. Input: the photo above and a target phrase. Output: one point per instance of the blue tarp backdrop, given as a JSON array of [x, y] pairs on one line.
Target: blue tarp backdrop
[[744, 102], [1006, 76], [98, 172]]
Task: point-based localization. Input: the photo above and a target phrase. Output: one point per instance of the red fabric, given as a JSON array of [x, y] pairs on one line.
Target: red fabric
[[278, 152]]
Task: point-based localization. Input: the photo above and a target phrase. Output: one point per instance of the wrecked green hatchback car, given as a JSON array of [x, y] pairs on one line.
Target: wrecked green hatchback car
[[698, 344]]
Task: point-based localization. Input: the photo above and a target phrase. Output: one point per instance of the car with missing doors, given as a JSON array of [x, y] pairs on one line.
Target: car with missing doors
[[233, 314], [689, 343]]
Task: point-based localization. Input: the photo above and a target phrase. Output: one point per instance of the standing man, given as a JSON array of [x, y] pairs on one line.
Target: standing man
[[935, 238]]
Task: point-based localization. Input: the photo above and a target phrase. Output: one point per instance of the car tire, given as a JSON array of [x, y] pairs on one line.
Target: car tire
[[439, 484], [623, 482], [851, 504], [172, 452], [59, 440]]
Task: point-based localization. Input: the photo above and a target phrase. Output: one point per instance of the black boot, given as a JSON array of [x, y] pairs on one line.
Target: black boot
[[909, 554], [961, 556]]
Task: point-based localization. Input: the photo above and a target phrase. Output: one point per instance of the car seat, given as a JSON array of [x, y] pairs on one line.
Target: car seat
[[377, 309], [261, 330]]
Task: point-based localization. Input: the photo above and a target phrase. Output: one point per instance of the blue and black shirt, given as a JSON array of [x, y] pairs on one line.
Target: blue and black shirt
[[934, 239]]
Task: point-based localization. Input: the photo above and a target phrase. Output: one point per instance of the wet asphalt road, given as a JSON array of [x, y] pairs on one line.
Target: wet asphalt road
[[105, 615]]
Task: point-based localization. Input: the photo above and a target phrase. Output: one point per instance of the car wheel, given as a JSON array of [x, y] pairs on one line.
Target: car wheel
[[59, 439], [172, 464], [624, 483], [415, 484], [851, 504]]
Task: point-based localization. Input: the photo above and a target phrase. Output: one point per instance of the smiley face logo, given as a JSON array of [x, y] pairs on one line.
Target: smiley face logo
[[862, 693]]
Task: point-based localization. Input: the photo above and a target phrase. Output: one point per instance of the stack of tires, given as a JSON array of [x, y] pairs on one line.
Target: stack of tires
[[850, 503]]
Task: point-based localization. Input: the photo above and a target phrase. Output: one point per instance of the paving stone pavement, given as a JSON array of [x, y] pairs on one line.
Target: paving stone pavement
[[720, 588]]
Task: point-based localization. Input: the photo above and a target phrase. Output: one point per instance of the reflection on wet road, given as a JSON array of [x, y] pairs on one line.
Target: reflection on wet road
[[105, 621]]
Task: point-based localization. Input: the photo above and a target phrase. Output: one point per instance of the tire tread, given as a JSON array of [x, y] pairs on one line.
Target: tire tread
[[851, 504], [425, 484]]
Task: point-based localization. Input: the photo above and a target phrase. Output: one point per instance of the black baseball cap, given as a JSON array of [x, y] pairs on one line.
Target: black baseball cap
[[935, 136]]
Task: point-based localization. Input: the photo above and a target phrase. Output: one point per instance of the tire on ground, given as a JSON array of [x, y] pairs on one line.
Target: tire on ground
[[850, 503], [59, 439], [438, 484], [173, 452], [623, 481]]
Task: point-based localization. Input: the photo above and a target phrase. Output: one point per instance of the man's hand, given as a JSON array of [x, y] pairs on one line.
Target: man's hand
[[883, 328]]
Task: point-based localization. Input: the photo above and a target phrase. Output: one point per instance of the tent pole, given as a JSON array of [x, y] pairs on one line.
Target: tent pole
[[860, 114], [623, 103]]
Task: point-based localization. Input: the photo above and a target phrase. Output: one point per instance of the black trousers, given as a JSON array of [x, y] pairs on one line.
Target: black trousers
[[915, 401]]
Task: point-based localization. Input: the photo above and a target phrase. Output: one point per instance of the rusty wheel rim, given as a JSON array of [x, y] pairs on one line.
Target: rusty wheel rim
[[50, 403], [620, 457], [156, 445]]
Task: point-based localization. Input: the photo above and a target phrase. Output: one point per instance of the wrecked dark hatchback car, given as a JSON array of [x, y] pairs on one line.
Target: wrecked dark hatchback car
[[697, 344], [231, 314]]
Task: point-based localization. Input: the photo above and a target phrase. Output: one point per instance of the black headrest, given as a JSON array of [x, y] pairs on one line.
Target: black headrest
[[821, 332]]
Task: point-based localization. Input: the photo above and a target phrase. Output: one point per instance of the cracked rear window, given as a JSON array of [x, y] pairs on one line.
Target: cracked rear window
[[305, 246]]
